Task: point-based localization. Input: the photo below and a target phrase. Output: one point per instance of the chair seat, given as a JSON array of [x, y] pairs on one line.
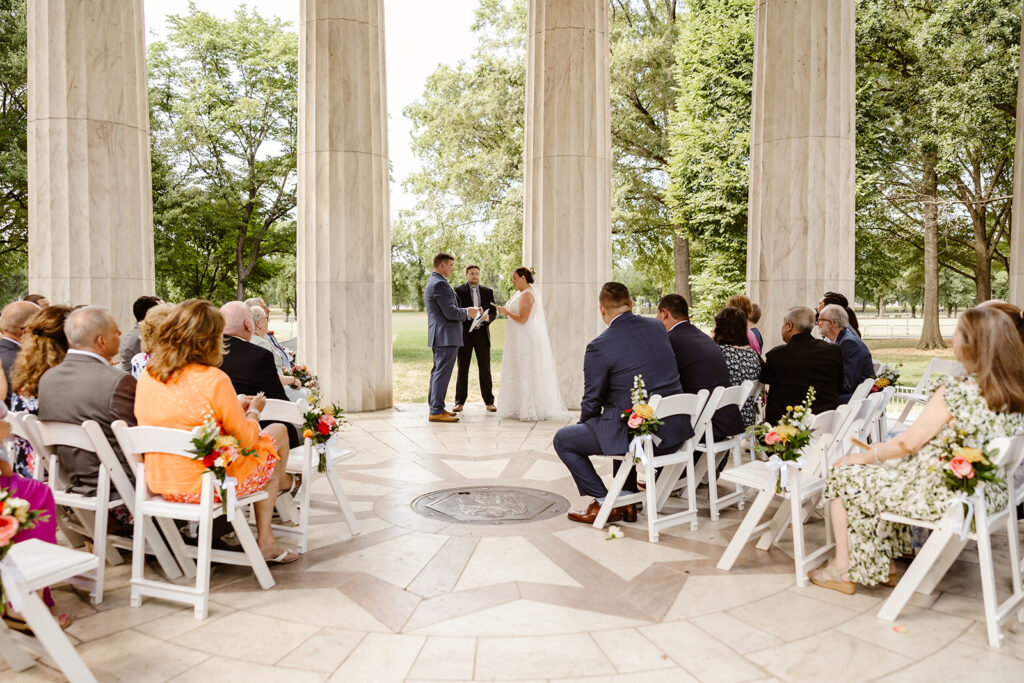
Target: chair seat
[[726, 443], [336, 455], [80, 501], [757, 475], [41, 564], [158, 506]]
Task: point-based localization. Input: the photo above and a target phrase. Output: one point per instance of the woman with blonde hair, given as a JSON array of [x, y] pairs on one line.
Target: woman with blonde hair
[[147, 332], [742, 302], [180, 386], [985, 404]]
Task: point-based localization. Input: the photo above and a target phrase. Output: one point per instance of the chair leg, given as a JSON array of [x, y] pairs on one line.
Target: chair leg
[[776, 529], [986, 566], [1013, 539], [919, 569], [652, 500], [796, 517], [138, 557], [99, 540], [691, 492], [712, 459], [205, 546], [159, 549], [252, 551], [341, 497], [50, 636], [941, 565], [19, 659], [285, 507], [177, 546], [745, 529], [613, 493]]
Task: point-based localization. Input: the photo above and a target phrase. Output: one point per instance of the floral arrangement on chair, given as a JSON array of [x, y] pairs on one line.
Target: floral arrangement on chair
[[215, 450], [640, 420], [320, 424], [307, 380], [963, 467], [785, 441], [15, 515], [888, 375]]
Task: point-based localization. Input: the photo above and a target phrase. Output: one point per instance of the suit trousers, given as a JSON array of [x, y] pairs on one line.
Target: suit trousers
[[479, 343], [440, 376], [574, 445]]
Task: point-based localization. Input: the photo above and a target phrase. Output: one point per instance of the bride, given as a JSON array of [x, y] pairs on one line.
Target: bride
[[529, 382]]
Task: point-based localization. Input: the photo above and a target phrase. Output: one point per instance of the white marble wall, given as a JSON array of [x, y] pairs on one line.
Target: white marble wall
[[90, 194], [1016, 294], [344, 227], [801, 221], [567, 203]]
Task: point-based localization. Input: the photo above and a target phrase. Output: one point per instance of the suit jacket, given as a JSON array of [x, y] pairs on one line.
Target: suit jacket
[[252, 370], [85, 388], [857, 363], [465, 297], [702, 366], [131, 344], [790, 368], [8, 353], [632, 345], [444, 317]]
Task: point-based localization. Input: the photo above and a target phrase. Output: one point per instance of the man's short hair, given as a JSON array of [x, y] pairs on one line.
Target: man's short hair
[[675, 305], [471, 266], [801, 317], [258, 313], [442, 257], [614, 295], [85, 324], [836, 314], [142, 305], [755, 313]]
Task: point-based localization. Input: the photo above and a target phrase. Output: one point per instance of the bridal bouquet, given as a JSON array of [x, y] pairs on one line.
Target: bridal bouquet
[[15, 515], [320, 424], [215, 451], [640, 420], [306, 378], [888, 375], [785, 441]]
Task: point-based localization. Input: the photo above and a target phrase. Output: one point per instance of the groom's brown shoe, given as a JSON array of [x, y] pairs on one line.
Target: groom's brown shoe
[[622, 513], [443, 417]]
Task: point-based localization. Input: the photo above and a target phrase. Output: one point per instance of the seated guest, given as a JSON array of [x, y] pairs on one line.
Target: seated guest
[[39, 300], [1015, 314], [842, 302], [985, 404], [801, 362], [699, 360], [833, 323], [292, 386], [12, 324], [631, 345], [741, 361], [287, 356], [744, 304], [147, 332], [130, 345], [86, 387], [180, 386], [755, 317]]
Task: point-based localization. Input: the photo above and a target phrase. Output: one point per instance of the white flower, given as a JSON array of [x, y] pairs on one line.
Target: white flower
[[18, 508], [219, 462], [197, 432], [614, 532]]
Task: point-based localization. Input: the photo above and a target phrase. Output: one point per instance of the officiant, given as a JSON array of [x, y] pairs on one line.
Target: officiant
[[472, 294]]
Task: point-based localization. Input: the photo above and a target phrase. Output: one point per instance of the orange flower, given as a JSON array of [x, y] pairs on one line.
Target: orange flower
[[307, 433]]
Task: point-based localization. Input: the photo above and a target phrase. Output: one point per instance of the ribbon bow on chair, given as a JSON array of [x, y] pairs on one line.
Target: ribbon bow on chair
[[640, 446], [965, 506], [777, 464], [229, 496]]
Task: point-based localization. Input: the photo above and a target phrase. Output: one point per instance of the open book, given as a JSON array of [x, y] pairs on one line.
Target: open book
[[478, 320]]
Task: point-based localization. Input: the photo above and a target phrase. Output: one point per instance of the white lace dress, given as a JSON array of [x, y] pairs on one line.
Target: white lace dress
[[529, 382]]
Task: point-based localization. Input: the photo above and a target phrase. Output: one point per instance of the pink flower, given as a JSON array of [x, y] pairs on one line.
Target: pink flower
[[961, 468], [8, 528], [634, 421], [772, 438]]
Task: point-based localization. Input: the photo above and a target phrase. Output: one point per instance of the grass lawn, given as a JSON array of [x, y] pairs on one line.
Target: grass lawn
[[914, 361]]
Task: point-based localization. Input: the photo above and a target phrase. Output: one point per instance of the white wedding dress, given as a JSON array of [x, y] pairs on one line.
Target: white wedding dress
[[529, 381]]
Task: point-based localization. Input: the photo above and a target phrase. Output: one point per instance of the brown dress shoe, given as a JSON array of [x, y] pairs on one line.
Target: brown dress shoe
[[623, 513], [457, 408], [443, 417], [491, 408]]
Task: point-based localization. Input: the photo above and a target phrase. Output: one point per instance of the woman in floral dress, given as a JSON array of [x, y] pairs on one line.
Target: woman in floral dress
[[986, 404], [742, 361]]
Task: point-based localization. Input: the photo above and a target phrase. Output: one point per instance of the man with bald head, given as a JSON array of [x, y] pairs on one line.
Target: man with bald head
[[801, 362], [86, 387], [12, 325]]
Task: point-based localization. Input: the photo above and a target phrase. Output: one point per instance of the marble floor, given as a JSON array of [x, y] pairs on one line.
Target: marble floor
[[415, 599]]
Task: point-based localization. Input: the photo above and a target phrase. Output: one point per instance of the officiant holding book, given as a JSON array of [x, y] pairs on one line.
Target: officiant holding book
[[475, 339]]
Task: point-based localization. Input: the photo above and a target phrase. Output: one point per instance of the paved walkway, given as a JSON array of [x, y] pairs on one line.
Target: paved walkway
[[415, 599]]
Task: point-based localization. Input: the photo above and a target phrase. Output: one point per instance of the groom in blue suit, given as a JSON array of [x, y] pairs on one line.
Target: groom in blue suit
[[631, 345], [444, 333]]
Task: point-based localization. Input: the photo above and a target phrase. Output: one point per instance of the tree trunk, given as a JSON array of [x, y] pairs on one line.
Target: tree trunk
[[931, 334], [881, 306], [982, 273], [913, 310], [681, 260]]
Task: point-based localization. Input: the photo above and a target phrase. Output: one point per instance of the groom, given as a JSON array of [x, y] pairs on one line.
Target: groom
[[631, 345], [444, 333]]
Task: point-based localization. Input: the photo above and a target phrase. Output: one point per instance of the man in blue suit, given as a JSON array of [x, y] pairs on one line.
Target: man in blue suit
[[631, 345], [444, 333], [834, 324]]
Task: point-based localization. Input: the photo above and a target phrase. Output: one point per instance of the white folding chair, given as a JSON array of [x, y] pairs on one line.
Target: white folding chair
[[715, 450], [937, 366], [945, 543], [304, 462], [28, 567], [137, 441], [863, 389], [806, 483], [673, 465], [89, 518]]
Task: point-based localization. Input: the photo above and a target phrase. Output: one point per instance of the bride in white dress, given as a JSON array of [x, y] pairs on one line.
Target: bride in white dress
[[529, 382]]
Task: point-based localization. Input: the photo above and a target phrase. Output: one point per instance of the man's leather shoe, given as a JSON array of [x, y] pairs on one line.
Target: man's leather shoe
[[623, 513], [443, 417], [457, 408], [449, 413], [491, 408]]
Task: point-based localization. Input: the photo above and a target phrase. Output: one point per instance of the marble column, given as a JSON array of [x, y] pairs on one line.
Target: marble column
[[344, 226], [567, 184], [90, 194], [800, 234], [1016, 294]]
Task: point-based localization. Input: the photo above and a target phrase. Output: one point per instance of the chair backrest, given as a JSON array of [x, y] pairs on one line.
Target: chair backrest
[[938, 366], [278, 410], [135, 442], [863, 389], [723, 397], [18, 429], [691, 405], [826, 430]]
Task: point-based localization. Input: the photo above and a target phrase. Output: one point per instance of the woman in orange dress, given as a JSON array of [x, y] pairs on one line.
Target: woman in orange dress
[[180, 385]]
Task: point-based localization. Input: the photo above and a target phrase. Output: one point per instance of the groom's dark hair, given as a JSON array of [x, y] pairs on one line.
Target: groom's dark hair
[[675, 305], [614, 295], [441, 258]]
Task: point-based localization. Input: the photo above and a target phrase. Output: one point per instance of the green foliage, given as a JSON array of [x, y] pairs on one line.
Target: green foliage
[[223, 118], [13, 150]]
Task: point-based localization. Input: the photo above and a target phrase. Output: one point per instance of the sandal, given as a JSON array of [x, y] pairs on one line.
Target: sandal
[[830, 577], [19, 625], [283, 558]]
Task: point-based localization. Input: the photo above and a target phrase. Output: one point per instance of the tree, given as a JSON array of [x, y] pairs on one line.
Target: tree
[[13, 149], [223, 99]]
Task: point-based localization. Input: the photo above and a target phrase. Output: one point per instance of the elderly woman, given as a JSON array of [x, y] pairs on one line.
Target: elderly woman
[[730, 334], [986, 404], [147, 331], [181, 384]]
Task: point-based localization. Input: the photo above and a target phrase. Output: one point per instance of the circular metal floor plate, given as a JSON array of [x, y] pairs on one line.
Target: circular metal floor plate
[[490, 505]]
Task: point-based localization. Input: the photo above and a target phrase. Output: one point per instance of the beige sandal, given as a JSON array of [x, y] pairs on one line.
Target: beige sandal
[[830, 577]]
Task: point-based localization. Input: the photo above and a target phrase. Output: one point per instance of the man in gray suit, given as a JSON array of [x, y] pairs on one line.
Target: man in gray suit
[[444, 333], [86, 387]]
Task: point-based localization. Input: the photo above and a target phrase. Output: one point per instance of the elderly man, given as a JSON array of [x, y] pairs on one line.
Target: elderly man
[[287, 356], [12, 324], [86, 387], [834, 325], [802, 362]]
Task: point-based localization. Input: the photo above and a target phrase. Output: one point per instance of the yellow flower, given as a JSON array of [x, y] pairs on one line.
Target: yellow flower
[[644, 411], [882, 382], [225, 442], [786, 432], [971, 455]]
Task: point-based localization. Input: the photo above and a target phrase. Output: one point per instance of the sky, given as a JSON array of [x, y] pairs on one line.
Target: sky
[[419, 35]]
